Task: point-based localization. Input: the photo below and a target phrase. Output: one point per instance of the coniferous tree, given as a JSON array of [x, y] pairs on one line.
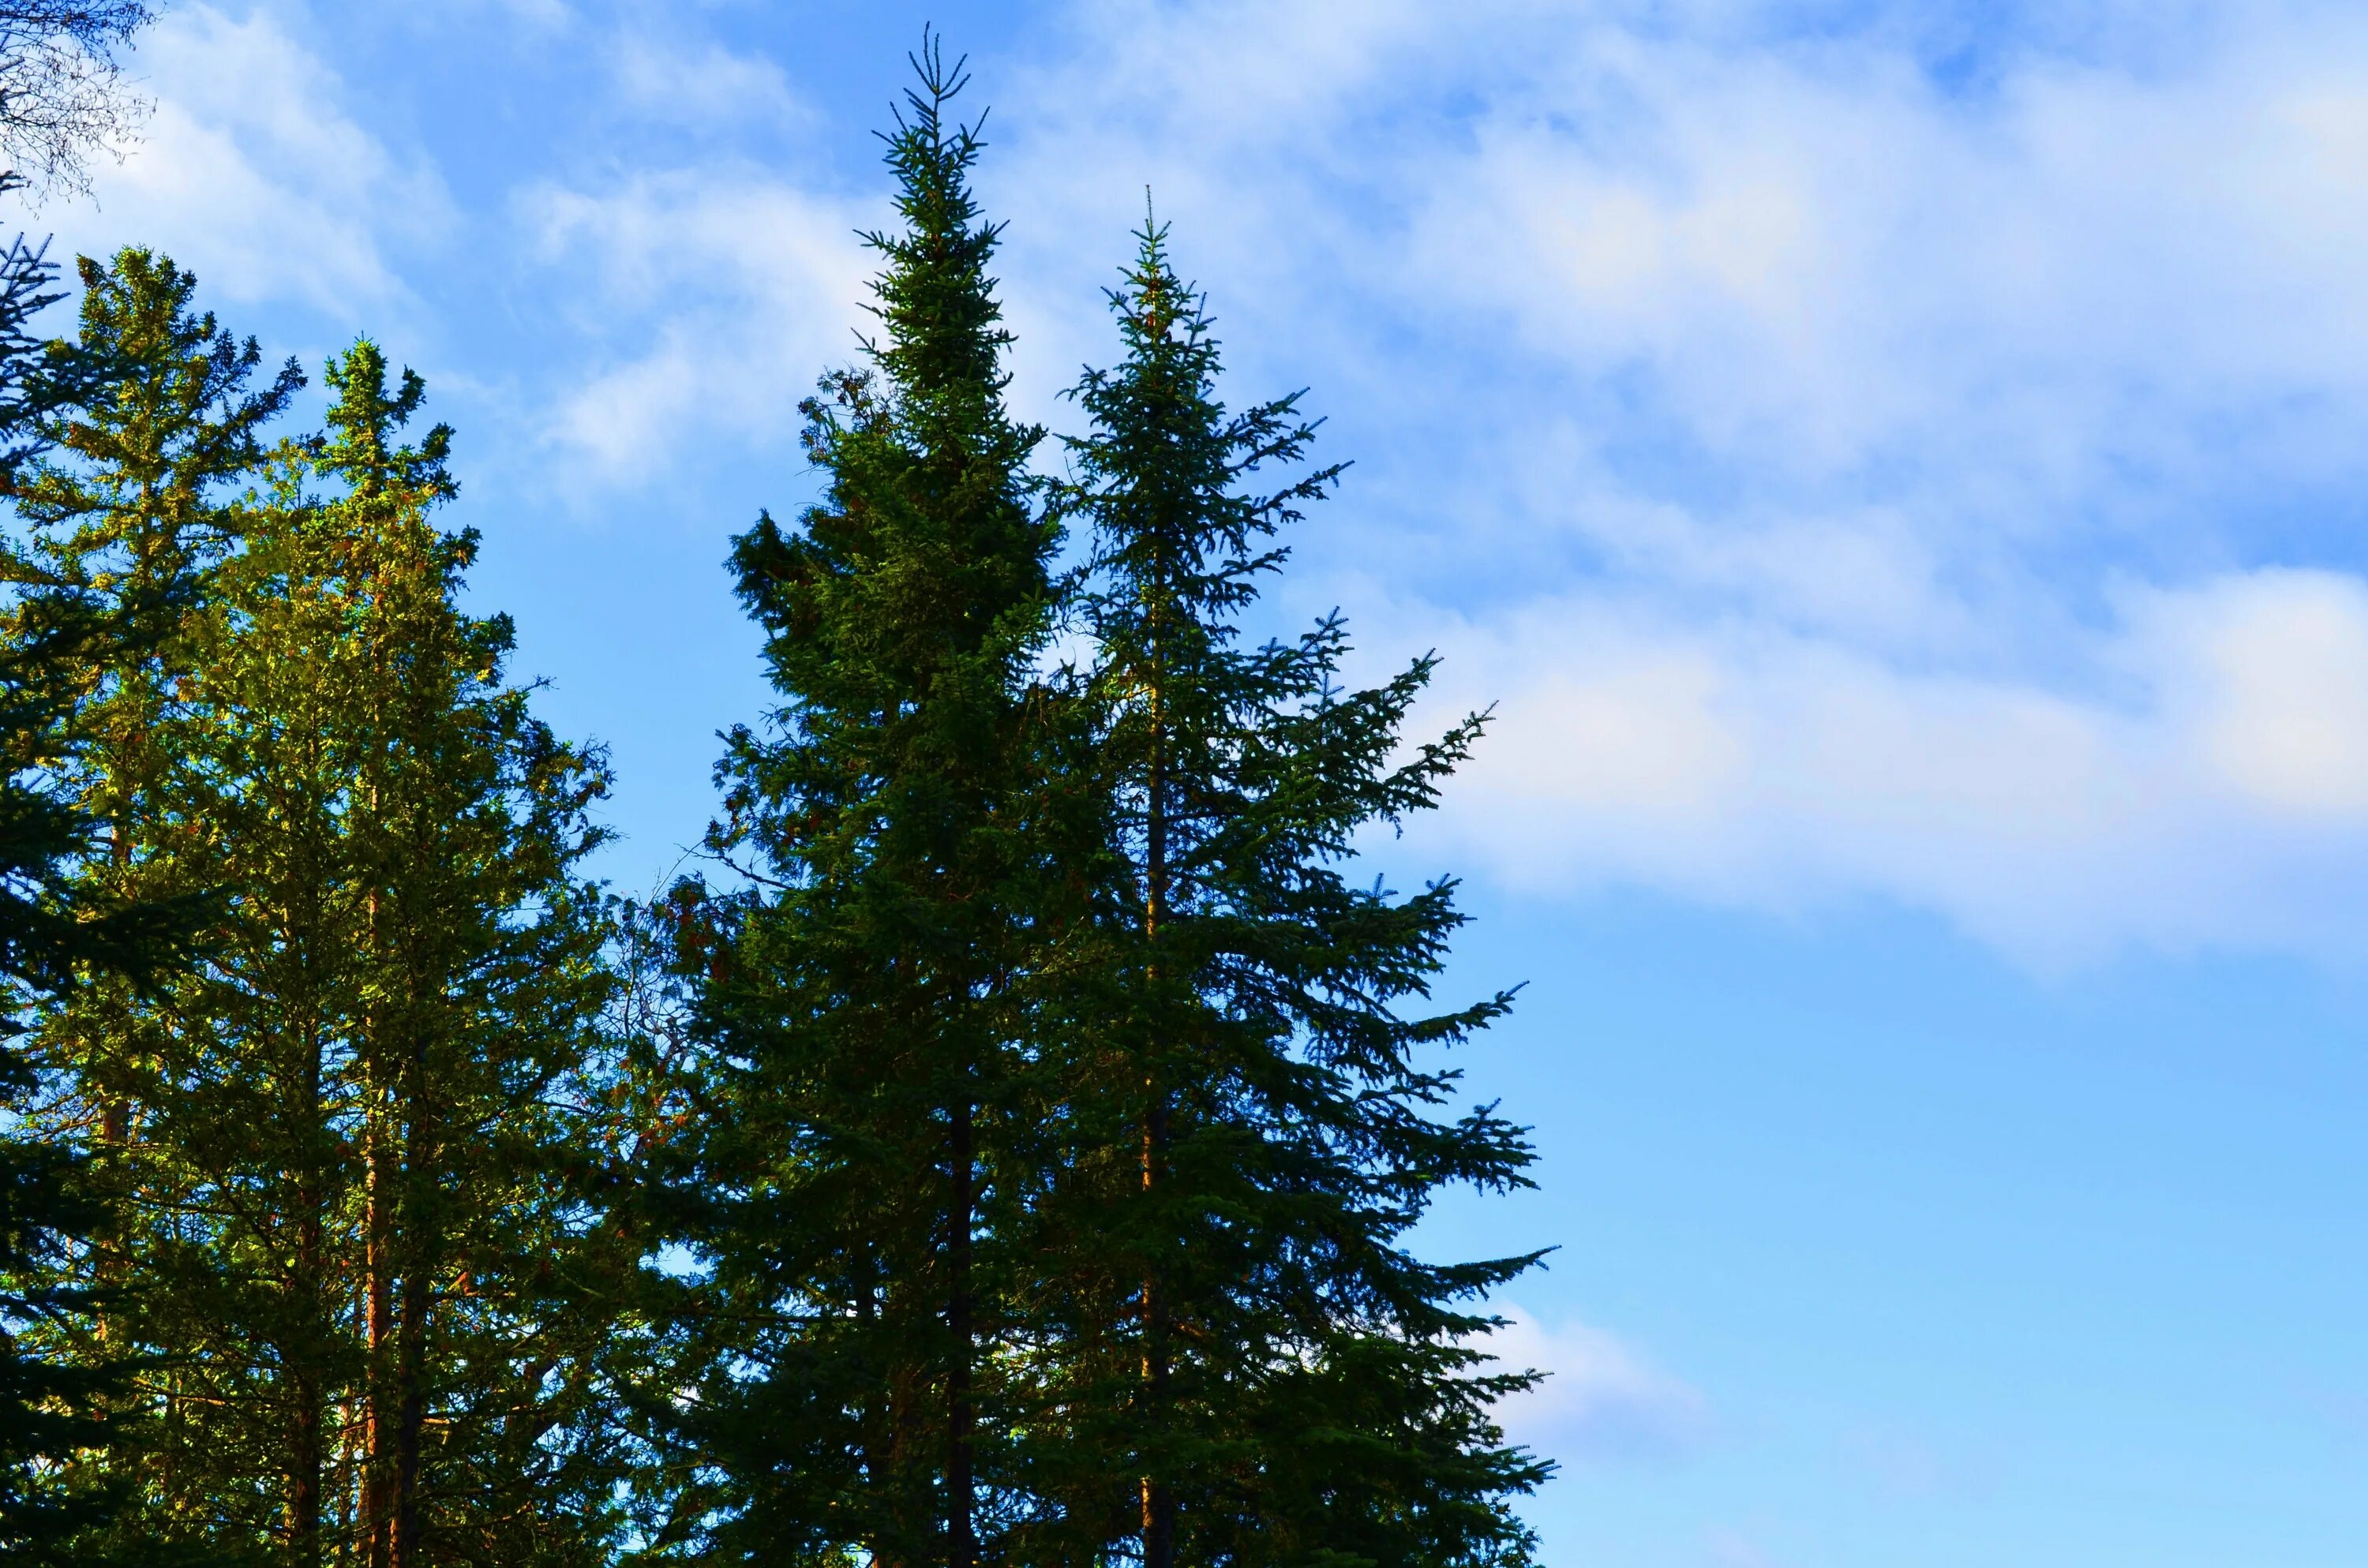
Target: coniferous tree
[[54, 1413], [664, 1112], [387, 1052], [1254, 1367], [128, 519], [1047, 1110], [352, 1142], [265, 1086], [476, 1042], [131, 514], [871, 1149]]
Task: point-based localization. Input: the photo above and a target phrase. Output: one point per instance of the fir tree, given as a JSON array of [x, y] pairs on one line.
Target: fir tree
[[131, 513], [871, 1149], [476, 1040], [128, 522], [59, 1417], [402, 1020], [52, 1413], [264, 1086], [1254, 1367], [351, 1141]]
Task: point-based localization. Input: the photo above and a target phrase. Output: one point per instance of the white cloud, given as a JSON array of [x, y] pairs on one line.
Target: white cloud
[[545, 17], [702, 85], [2203, 781], [2280, 662], [717, 296], [1801, 247], [1599, 1400], [1625, 733], [252, 175]]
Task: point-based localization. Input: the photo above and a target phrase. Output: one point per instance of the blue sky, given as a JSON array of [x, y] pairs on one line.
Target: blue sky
[[1899, 471]]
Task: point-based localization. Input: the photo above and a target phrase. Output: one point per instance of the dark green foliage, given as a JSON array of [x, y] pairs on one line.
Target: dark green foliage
[[872, 1150], [54, 1414], [131, 514], [1261, 1371], [479, 1280], [353, 1150]]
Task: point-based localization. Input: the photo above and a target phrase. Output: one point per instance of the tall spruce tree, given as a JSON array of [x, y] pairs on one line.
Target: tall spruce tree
[[130, 513], [871, 1151], [351, 1141], [265, 1088], [1256, 1366], [136, 511], [54, 1413], [386, 1053], [483, 1274]]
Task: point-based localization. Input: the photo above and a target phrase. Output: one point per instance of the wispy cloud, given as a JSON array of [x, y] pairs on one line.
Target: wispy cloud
[[1895, 458], [700, 84], [715, 297], [2203, 779], [255, 174], [1601, 1399]]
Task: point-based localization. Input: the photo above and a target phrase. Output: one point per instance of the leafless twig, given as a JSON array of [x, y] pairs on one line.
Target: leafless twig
[[63, 92]]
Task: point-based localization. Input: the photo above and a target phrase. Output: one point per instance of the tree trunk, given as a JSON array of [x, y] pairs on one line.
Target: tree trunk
[[378, 1413], [377, 1512], [962, 1544], [1158, 1497], [420, 1249], [304, 1465], [305, 1454]]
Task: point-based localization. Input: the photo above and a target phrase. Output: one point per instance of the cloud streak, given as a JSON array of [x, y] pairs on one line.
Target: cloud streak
[[717, 298], [1897, 459], [2207, 785], [1600, 1400]]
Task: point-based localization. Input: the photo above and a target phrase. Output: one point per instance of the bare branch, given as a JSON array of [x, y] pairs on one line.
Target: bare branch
[[62, 93]]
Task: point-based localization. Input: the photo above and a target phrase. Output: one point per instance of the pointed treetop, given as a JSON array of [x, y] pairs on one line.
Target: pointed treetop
[[944, 341], [364, 419]]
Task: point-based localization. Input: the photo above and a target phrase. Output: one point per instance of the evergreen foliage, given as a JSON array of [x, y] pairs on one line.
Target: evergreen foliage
[[1258, 1357], [351, 1145], [52, 1412], [471, 1016], [128, 514], [872, 1142]]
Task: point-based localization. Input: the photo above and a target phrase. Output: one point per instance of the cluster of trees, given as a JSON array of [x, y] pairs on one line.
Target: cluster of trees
[[1005, 1153]]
